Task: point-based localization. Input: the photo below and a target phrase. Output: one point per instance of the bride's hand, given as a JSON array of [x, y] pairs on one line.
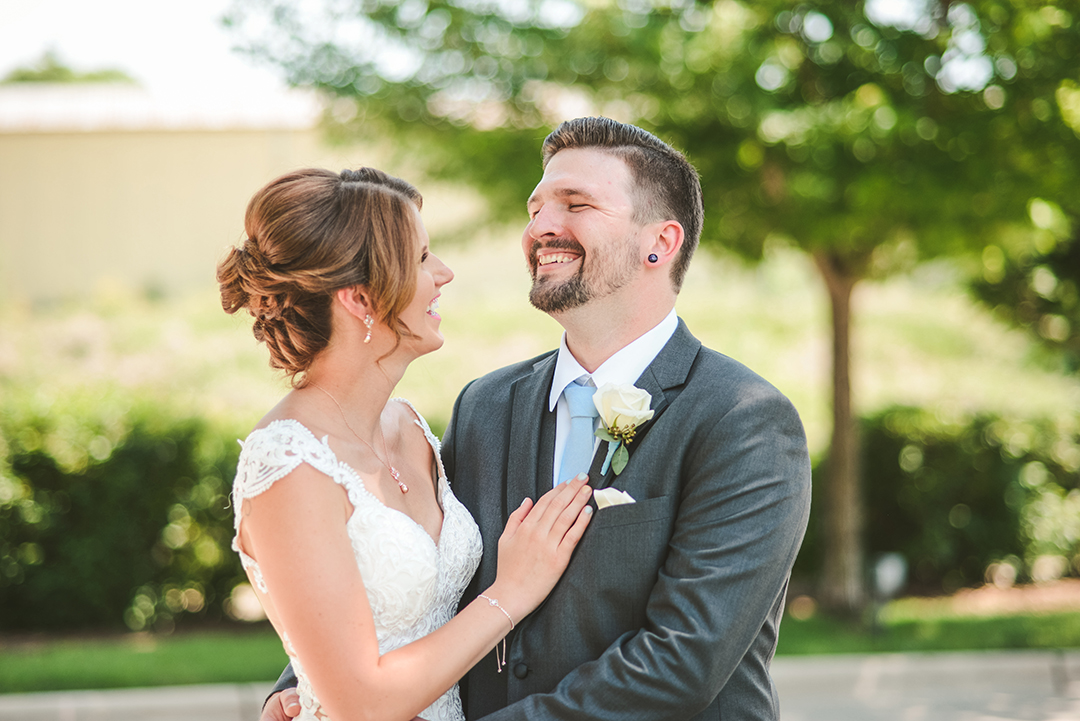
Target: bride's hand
[[537, 543]]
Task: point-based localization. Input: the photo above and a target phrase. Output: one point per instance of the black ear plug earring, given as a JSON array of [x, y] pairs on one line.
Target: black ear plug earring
[[653, 258]]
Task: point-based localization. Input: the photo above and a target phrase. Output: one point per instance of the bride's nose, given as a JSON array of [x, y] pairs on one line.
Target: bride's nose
[[442, 273]]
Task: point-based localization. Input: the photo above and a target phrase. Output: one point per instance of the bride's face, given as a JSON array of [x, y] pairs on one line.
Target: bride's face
[[421, 315]]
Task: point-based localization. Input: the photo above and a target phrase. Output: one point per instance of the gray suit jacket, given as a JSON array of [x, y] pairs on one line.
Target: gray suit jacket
[[670, 606]]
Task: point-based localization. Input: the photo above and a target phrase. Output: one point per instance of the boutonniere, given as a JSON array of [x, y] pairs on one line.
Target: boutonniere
[[623, 409]]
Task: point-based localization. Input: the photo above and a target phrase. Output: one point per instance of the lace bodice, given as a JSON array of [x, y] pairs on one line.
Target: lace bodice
[[413, 584]]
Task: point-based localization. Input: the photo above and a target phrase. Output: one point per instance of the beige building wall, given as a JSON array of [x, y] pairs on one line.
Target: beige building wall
[[105, 187], [146, 210], [109, 187]]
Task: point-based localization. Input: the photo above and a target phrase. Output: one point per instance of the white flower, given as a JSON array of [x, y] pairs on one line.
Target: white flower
[[622, 406]]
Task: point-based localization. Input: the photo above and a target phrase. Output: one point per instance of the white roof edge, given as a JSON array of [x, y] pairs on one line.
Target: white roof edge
[[51, 108]]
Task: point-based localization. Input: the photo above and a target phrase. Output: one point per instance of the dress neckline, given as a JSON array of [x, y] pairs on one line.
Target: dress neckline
[[440, 486]]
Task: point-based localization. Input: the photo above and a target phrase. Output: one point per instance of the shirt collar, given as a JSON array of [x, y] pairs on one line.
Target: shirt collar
[[625, 366]]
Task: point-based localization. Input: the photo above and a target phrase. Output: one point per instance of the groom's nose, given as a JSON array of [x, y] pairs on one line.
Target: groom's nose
[[546, 223]]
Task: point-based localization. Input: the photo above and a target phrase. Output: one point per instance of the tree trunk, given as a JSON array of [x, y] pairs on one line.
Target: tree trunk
[[843, 586]]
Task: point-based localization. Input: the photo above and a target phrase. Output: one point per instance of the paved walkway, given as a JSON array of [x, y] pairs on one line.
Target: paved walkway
[[981, 686], [988, 686]]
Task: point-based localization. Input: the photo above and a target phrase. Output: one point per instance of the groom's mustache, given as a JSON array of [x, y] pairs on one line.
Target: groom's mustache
[[553, 243]]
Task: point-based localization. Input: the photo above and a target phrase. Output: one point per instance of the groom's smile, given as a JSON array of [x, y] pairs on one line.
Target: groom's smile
[[554, 253], [547, 258]]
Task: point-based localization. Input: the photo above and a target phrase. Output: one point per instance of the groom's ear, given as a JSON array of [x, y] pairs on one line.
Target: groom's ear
[[666, 241], [355, 300]]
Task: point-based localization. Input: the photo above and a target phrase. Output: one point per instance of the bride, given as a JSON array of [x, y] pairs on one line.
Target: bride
[[345, 523]]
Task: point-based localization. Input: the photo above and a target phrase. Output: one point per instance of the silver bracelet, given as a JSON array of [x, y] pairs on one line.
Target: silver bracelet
[[500, 661]]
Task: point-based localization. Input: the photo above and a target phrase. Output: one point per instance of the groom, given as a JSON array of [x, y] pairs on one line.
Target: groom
[[671, 605]]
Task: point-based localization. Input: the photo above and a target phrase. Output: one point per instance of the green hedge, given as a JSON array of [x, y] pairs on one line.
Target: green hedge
[[113, 517], [954, 496]]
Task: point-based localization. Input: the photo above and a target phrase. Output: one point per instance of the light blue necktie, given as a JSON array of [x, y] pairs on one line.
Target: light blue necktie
[[580, 441]]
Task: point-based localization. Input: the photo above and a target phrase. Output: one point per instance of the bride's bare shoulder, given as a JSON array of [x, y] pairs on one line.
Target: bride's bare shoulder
[[296, 409]]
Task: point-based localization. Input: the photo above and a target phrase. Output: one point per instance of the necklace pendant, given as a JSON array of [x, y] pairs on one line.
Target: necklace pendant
[[397, 477]]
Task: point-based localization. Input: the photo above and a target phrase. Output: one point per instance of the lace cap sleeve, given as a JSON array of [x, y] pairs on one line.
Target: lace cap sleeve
[[269, 454]]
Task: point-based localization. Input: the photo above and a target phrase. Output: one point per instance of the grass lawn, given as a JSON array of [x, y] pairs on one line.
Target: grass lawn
[[963, 633], [255, 655], [139, 659]]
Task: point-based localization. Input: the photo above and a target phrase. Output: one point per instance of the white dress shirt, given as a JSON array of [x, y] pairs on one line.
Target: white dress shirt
[[625, 366]]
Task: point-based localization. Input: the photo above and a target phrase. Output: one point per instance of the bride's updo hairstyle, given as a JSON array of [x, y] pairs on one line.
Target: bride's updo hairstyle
[[310, 233]]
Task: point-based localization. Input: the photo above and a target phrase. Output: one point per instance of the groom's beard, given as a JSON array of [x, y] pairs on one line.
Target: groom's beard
[[555, 296]]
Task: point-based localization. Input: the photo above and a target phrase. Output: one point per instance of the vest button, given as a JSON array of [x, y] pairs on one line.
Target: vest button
[[521, 670]]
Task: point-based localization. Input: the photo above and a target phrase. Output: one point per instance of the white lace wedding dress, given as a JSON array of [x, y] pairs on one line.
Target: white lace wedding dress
[[412, 583]]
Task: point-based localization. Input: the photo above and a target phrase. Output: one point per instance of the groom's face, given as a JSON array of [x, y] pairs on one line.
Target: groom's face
[[582, 241]]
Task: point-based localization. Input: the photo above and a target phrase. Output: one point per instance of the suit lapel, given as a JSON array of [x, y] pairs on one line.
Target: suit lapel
[[532, 436], [663, 380]]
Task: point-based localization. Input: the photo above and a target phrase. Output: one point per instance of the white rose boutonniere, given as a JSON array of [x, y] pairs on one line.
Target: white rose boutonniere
[[623, 409]]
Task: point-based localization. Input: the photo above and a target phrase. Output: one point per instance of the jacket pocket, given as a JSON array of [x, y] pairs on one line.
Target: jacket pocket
[[651, 509]]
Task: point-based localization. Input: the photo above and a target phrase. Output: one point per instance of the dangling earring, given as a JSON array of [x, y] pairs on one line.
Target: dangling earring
[[368, 321]]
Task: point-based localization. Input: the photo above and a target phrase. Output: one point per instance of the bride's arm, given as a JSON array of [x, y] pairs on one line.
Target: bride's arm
[[296, 531]]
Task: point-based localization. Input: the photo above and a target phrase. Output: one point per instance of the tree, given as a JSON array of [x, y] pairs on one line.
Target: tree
[[869, 137], [50, 69], [1037, 285]]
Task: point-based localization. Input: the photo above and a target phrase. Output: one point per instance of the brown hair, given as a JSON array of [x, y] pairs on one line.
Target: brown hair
[[310, 233], [666, 186]]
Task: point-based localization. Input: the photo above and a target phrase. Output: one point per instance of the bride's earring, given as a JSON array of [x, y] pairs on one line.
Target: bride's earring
[[368, 321]]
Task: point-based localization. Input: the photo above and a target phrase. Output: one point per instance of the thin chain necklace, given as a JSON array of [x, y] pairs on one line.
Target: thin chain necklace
[[393, 471]]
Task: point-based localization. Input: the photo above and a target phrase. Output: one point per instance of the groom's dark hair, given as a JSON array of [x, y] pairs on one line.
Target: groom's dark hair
[[666, 186]]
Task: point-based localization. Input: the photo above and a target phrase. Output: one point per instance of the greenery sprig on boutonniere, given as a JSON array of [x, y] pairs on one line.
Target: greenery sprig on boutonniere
[[623, 409]]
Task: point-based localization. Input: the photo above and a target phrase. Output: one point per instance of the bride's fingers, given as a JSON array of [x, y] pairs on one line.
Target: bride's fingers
[[518, 516], [563, 510], [562, 523], [575, 531], [554, 501]]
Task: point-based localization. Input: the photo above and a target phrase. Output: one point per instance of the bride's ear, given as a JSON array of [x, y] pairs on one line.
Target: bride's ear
[[355, 301]]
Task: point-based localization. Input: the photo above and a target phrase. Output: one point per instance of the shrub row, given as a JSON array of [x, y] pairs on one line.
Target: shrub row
[[114, 519], [114, 516], [959, 498]]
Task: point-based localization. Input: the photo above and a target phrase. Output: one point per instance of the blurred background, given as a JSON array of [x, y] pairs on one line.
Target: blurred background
[[891, 240]]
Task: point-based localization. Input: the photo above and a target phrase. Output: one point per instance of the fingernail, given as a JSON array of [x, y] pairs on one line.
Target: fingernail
[[582, 476], [523, 501], [587, 510]]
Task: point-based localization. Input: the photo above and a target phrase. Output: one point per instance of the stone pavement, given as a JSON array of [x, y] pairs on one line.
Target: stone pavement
[[971, 686], [218, 702], [978, 686]]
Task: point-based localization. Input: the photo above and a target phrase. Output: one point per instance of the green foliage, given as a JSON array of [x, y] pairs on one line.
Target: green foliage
[[112, 515], [1038, 287], [50, 69], [827, 124], [955, 496]]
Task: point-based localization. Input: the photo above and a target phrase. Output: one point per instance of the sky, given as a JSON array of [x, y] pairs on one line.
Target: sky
[[172, 48]]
